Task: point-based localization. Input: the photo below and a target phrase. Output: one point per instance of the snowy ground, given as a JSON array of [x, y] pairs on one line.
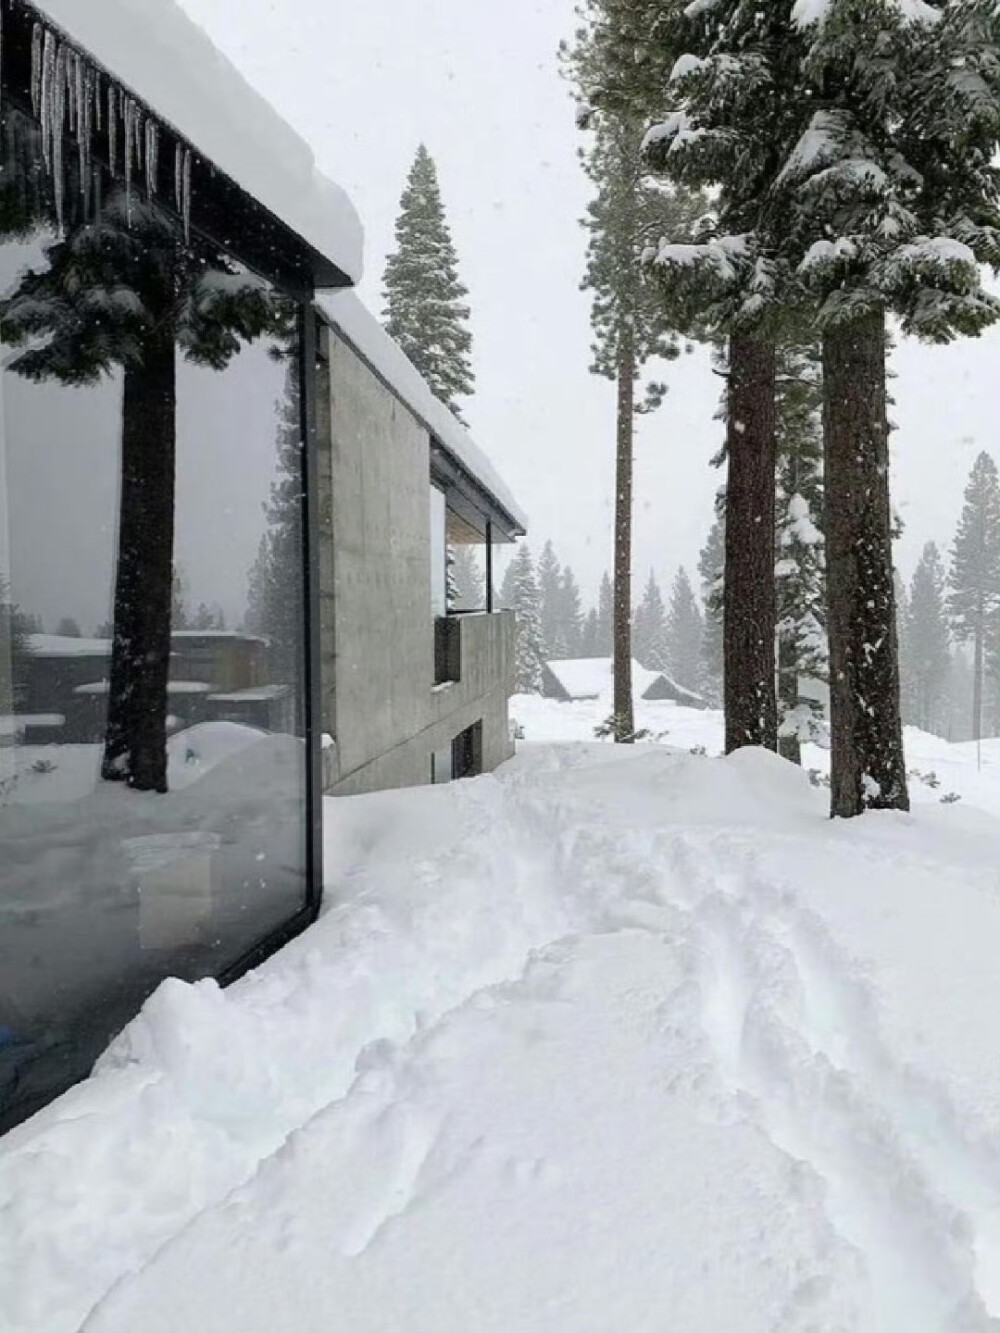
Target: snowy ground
[[608, 1041]]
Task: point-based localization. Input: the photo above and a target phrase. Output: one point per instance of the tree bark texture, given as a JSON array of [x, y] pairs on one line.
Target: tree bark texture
[[867, 766], [624, 718], [749, 595], [135, 748], [789, 747]]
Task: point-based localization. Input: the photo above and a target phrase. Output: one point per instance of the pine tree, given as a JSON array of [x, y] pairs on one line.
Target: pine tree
[[799, 567], [928, 642], [974, 597], [425, 310], [711, 565], [467, 580], [570, 614], [590, 638], [15, 647], [684, 631], [519, 593], [631, 322], [650, 637], [605, 617], [549, 591], [276, 580], [907, 696]]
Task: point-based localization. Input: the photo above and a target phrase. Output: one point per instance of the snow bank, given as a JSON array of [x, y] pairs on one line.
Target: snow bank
[[153, 48], [615, 1032], [366, 335]]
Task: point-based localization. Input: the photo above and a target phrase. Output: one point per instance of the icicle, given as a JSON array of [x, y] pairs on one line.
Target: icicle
[[98, 102], [71, 59], [113, 128], [85, 131], [178, 177], [58, 123], [137, 136], [37, 41], [152, 156], [80, 90], [128, 115], [186, 196], [46, 89]]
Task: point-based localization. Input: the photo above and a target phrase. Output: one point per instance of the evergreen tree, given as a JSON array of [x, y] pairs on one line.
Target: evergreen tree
[[650, 640], [550, 592], [467, 580], [590, 638], [425, 310], [974, 597], [631, 322], [928, 643], [570, 614], [69, 628], [907, 697], [519, 593], [684, 631], [276, 580], [799, 569], [15, 647], [711, 565], [605, 617]]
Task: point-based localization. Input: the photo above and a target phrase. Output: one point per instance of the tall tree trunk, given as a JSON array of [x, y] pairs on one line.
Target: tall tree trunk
[[867, 765], [789, 747], [624, 718], [977, 680], [136, 739], [749, 596]]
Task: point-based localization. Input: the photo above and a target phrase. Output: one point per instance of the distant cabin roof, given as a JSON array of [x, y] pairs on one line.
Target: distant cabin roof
[[366, 335], [66, 645], [164, 58], [591, 677]]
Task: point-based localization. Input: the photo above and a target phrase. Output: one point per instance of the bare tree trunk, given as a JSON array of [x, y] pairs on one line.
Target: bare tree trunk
[[624, 718], [789, 747], [977, 680], [136, 740], [749, 597], [867, 765]]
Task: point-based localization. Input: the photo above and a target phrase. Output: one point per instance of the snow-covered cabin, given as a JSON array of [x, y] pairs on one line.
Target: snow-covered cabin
[[665, 688], [198, 431], [575, 678]]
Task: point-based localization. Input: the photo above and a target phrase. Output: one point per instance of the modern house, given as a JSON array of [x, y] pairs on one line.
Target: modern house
[[196, 413]]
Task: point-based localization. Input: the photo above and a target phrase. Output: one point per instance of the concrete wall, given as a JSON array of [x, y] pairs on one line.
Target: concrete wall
[[380, 704]]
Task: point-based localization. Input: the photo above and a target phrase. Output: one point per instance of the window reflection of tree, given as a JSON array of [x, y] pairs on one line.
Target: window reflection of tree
[[122, 289]]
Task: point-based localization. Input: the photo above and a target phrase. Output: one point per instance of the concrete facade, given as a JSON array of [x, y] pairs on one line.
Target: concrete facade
[[381, 707]]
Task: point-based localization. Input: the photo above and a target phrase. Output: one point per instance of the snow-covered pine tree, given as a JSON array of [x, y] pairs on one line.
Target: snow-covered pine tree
[[605, 617], [467, 580], [711, 566], [632, 324], [799, 569], [275, 591], [928, 642], [684, 631], [549, 592], [650, 631], [519, 593], [974, 581], [907, 704], [570, 614], [425, 309], [590, 637]]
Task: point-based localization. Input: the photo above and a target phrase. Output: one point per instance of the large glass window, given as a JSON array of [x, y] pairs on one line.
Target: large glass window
[[153, 762]]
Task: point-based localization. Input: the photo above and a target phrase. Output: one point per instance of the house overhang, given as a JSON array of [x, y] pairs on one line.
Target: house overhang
[[250, 175]]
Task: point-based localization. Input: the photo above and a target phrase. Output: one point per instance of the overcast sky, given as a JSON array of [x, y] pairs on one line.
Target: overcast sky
[[479, 84]]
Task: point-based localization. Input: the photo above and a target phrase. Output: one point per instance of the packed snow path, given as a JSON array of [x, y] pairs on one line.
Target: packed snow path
[[610, 1041]]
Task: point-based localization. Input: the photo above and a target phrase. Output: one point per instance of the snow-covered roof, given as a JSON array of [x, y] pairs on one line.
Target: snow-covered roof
[[216, 634], [168, 61], [366, 335], [65, 645], [590, 677], [669, 681]]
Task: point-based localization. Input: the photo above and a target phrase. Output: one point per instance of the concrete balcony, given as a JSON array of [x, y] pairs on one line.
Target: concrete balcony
[[473, 656]]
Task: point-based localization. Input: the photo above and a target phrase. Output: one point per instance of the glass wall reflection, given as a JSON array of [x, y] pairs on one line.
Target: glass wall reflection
[[152, 614]]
